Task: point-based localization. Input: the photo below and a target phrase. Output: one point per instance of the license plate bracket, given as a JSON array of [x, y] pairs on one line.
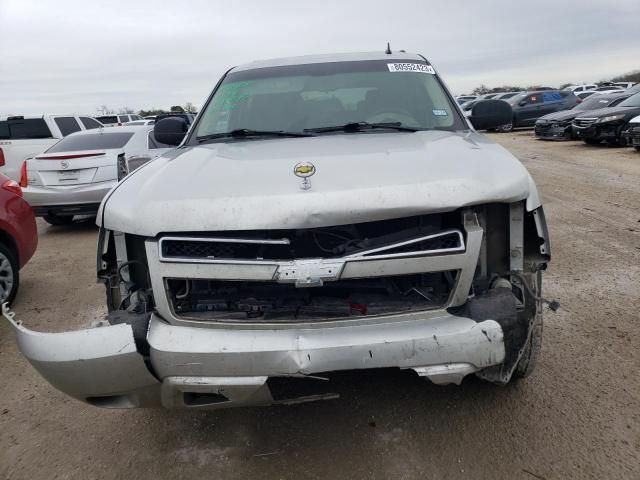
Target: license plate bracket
[[68, 175]]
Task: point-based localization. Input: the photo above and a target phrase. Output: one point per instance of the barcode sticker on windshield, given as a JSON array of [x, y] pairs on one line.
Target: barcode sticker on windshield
[[411, 67]]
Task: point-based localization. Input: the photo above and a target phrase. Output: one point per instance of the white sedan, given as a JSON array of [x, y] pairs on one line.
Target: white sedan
[[72, 177]]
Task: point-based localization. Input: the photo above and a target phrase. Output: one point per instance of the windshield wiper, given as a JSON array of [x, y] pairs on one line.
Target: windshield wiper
[[361, 126], [247, 132]]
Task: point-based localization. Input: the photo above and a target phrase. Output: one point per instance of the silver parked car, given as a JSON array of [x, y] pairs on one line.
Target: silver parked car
[[73, 176], [323, 213]]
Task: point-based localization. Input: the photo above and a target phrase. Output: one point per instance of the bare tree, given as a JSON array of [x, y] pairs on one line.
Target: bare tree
[[126, 110], [104, 110], [481, 90], [190, 107]]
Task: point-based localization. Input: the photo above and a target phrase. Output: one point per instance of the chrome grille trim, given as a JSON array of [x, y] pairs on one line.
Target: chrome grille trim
[[369, 254], [584, 122]]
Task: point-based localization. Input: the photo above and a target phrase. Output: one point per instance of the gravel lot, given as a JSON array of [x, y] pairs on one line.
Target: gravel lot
[[578, 416]]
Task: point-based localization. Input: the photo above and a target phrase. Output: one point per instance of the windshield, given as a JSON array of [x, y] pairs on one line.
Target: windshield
[[633, 101], [298, 97], [92, 141], [591, 103], [516, 98]]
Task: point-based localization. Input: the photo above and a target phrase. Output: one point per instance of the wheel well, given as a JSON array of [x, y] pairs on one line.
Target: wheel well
[[7, 239]]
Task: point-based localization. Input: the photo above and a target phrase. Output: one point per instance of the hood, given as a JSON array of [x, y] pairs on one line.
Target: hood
[[562, 116], [603, 112], [362, 177]]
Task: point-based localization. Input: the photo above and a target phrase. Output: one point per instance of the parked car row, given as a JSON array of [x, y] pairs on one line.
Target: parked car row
[[113, 120], [65, 165], [530, 106], [24, 136], [605, 86], [557, 126], [610, 118]]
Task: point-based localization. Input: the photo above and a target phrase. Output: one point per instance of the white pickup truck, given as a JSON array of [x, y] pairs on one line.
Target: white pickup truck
[[22, 137]]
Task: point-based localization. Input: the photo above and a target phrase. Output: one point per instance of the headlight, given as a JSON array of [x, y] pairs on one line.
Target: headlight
[[611, 118]]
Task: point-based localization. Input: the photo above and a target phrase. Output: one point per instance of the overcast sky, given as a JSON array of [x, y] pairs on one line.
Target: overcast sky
[[68, 56]]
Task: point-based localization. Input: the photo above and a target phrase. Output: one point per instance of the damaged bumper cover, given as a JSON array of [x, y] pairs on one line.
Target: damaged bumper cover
[[216, 368]]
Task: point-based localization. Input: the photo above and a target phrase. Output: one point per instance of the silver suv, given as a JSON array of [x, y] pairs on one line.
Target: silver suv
[[323, 213]]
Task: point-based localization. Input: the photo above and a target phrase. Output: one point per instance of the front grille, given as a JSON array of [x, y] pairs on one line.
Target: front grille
[[211, 249], [584, 122], [337, 272], [269, 302], [552, 127], [421, 233]]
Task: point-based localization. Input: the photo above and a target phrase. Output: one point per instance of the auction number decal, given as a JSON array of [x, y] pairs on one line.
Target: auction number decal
[[411, 67]]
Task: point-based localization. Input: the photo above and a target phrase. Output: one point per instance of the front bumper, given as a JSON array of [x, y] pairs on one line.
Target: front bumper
[[551, 131], [632, 136], [216, 368], [67, 200], [596, 132]]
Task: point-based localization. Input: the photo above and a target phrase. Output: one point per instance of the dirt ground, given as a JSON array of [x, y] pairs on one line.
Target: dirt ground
[[578, 416]]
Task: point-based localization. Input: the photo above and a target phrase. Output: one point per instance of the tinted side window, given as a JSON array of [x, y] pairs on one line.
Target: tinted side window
[[549, 97], [89, 123], [617, 101], [23, 129], [67, 125], [107, 119], [123, 118]]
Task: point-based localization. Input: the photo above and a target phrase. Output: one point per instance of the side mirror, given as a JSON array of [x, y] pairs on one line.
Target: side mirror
[[171, 130], [490, 114], [522, 103]]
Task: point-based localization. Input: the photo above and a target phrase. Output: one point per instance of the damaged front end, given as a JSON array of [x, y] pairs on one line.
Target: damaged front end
[[226, 318]]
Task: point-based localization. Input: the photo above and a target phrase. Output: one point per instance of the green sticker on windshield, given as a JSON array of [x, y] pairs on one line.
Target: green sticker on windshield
[[231, 95]]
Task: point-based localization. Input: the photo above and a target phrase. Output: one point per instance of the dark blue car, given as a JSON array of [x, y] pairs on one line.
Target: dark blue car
[[530, 106]]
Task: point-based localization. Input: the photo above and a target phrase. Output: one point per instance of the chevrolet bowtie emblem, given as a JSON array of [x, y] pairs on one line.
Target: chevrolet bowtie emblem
[[304, 171]]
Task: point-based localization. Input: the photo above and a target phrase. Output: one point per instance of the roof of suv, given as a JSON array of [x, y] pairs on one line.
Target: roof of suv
[[43, 115], [327, 58]]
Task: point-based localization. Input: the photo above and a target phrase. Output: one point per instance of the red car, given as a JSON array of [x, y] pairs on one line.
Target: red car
[[18, 236]]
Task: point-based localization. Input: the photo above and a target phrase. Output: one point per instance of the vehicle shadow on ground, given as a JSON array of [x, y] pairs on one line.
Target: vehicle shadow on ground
[[376, 410], [80, 224]]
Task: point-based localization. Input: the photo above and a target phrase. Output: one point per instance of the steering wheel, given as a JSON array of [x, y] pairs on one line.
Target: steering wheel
[[392, 114]]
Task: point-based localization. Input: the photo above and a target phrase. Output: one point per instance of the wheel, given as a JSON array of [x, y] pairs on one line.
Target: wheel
[[637, 149], [527, 363], [505, 128], [58, 220], [591, 141], [9, 276]]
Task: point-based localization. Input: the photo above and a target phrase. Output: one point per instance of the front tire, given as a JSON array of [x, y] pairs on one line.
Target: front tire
[[531, 352], [9, 275], [505, 128], [591, 141], [58, 220]]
